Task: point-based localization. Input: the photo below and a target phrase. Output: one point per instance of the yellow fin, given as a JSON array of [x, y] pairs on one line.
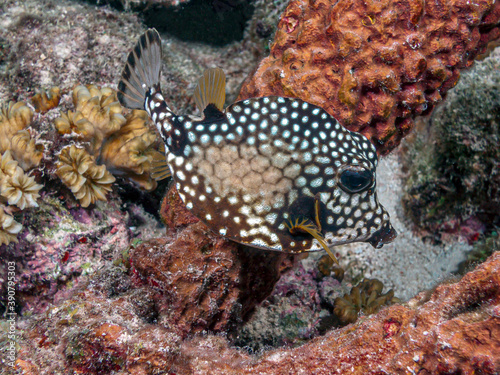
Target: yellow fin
[[307, 226], [159, 166], [211, 89]]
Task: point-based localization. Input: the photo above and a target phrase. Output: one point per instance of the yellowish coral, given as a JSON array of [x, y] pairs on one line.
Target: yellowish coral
[[7, 165], [78, 170], [9, 228], [20, 189], [124, 144], [45, 101], [98, 114], [25, 150], [366, 297], [129, 151], [14, 119]]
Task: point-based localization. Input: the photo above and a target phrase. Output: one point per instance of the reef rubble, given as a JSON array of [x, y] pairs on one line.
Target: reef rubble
[[102, 330]]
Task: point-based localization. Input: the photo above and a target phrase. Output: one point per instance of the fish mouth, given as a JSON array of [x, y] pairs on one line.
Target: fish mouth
[[383, 236]]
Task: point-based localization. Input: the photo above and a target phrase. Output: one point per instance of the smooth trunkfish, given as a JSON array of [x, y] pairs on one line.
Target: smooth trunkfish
[[274, 173]]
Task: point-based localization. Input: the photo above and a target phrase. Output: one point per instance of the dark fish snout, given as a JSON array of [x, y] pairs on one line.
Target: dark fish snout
[[383, 236]]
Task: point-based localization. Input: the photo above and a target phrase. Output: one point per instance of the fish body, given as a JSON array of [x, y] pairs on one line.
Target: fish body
[[264, 171]]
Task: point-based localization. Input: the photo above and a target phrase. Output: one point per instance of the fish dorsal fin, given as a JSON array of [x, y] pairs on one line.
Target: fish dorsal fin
[[211, 89]]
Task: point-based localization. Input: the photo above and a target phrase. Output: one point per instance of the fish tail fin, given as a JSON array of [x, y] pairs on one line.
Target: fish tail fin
[[142, 71]]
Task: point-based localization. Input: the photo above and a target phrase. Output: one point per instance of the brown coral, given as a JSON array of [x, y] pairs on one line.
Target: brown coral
[[365, 297], [78, 170], [14, 119], [123, 144], [25, 150], [7, 165], [374, 65], [45, 101], [129, 152], [98, 114], [9, 228]]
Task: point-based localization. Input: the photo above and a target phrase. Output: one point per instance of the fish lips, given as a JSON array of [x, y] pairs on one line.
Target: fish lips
[[383, 236]]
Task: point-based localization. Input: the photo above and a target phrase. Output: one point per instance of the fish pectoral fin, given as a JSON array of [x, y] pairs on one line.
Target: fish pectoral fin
[[159, 166], [211, 89], [304, 225]]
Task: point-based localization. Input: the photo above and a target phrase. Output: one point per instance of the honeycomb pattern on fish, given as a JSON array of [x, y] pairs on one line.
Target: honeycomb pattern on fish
[[263, 162]]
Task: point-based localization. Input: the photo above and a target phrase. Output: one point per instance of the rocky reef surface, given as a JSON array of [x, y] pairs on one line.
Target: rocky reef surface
[[374, 65], [133, 283]]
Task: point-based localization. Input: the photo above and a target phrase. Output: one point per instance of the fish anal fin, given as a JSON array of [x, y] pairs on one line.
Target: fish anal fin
[[211, 89]]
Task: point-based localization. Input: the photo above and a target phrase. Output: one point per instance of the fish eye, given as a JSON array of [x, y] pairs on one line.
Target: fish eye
[[353, 181]]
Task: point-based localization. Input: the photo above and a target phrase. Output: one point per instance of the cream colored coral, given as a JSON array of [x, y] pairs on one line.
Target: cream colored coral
[[98, 114], [14, 118], [7, 165], [20, 189], [9, 228], [25, 150], [129, 151], [88, 181]]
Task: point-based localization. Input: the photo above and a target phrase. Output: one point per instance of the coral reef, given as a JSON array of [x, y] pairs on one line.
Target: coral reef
[[374, 65], [14, 119], [18, 153], [263, 24], [121, 144], [291, 314], [453, 171], [97, 115], [481, 251], [454, 328], [205, 281], [131, 151], [96, 295], [9, 228], [61, 244], [78, 170], [19, 188], [366, 297], [45, 101]]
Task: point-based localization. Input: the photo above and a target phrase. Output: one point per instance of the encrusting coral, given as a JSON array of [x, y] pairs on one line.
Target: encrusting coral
[[9, 228], [374, 65], [366, 297], [78, 170], [110, 141]]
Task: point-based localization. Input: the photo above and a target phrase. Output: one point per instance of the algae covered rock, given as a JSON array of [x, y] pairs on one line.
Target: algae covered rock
[[454, 162]]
